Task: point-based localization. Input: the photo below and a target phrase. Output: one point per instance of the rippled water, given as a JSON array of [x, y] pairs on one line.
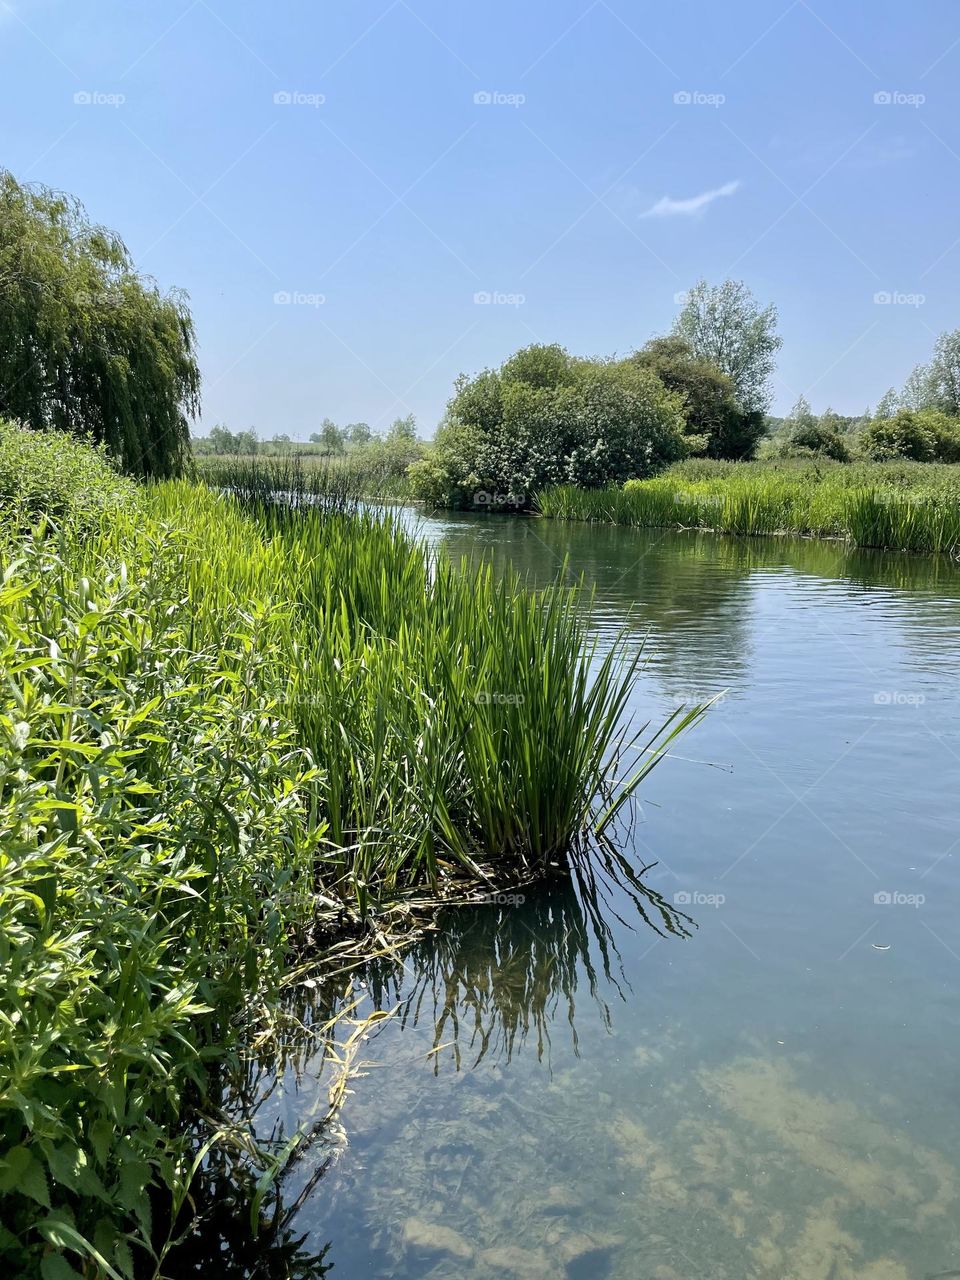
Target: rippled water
[[775, 1095]]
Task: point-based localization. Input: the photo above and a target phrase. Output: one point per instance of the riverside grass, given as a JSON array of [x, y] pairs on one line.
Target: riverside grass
[[892, 506], [229, 732]]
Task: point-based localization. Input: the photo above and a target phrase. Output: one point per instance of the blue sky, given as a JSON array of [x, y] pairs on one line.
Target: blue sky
[[382, 162]]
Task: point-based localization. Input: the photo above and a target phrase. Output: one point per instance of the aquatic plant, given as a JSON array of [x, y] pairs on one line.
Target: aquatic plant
[[895, 506]]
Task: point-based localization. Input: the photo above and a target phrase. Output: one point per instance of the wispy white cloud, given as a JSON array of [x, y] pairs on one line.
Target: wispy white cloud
[[667, 207]]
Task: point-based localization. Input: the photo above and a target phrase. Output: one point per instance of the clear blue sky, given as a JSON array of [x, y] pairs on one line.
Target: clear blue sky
[[583, 187]]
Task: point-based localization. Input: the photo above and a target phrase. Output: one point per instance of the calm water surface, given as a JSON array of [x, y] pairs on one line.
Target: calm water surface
[[776, 1095]]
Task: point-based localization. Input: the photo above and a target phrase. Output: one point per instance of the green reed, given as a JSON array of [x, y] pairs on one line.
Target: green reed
[[895, 506]]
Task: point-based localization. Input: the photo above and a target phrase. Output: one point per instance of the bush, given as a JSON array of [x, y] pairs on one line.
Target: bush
[[547, 418], [818, 437], [908, 434], [47, 472]]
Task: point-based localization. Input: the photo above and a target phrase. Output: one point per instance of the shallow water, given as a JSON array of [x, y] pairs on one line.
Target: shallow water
[[775, 1095]]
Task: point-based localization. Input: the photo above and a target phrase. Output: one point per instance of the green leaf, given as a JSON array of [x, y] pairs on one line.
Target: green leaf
[[23, 1172], [54, 1266]]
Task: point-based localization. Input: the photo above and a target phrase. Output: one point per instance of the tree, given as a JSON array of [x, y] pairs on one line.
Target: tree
[[804, 434], [889, 404], [725, 325], [87, 344], [904, 434], [545, 417], [329, 437], [943, 375], [358, 433], [716, 425], [403, 430]]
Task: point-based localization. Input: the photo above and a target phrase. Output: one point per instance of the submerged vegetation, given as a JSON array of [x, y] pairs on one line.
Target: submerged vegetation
[[898, 506], [233, 730]]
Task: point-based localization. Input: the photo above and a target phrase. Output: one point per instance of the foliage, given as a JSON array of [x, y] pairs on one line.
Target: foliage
[[716, 426], [925, 435], [546, 417], [87, 345], [225, 726], [45, 472], [724, 325], [904, 506], [804, 435]]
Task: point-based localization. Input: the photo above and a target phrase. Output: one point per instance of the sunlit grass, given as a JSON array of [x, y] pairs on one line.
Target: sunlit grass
[[897, 506]]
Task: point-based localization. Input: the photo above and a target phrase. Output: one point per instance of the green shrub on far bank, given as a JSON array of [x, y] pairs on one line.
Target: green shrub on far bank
[[922, 435], [545, 417], [54, 474]]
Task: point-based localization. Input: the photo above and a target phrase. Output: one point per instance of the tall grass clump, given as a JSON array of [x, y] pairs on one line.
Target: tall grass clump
[[896, 506], [231, 728]]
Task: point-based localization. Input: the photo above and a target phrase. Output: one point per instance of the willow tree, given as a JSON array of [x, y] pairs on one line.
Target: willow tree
[[87, 344]]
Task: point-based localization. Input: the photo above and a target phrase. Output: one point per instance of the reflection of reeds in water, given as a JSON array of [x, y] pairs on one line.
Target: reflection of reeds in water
[[498, 974]]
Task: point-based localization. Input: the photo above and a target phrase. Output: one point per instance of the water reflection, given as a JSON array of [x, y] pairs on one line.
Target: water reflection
[[493, 977]]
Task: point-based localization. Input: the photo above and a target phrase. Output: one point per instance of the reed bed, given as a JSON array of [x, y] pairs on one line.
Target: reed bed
[[233, 730], [893, 506]]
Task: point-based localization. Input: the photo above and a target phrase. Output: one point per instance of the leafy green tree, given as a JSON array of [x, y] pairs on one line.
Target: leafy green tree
[[943, 375], [329, 437], [888, 405], [358, 434], [906, 434], [87, 344], [716, 427], [547, 418], [403, 430], [804, 434], [725, 325]]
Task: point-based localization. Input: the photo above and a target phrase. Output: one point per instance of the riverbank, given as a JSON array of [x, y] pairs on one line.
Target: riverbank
[[246, 744], [891, 506]]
